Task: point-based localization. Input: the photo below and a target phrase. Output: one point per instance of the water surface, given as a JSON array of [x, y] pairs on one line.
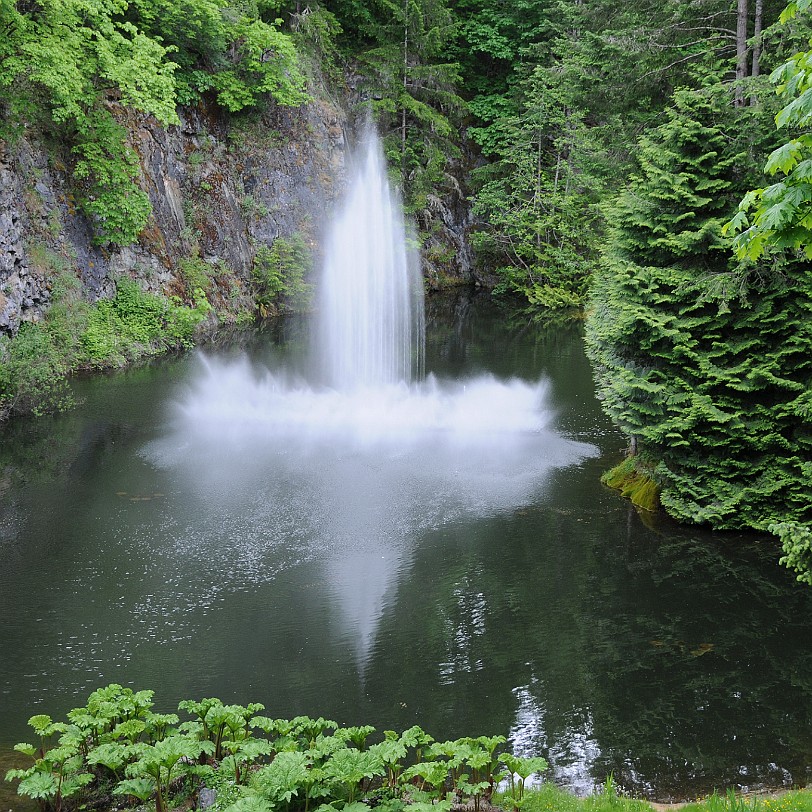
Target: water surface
[[471, 587]]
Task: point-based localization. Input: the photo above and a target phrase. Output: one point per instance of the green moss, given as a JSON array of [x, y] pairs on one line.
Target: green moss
[[635, 483]]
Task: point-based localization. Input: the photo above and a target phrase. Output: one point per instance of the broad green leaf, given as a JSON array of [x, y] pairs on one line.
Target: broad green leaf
[[141, 788], [784, 159], [27, 749], [39, 785]]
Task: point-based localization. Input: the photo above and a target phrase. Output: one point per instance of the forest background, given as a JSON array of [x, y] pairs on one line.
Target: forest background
[[613, 156]]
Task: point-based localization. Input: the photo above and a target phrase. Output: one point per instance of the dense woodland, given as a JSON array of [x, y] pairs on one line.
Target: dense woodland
[[614, 156]]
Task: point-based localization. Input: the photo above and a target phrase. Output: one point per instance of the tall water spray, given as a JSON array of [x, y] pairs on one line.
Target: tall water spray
[[370, 310]]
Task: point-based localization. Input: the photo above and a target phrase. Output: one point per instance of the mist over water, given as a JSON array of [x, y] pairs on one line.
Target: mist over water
[[482, 443], [352, 479]]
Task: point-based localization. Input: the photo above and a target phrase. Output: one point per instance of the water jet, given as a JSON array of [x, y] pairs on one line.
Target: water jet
[[370, 328], [367, 454]]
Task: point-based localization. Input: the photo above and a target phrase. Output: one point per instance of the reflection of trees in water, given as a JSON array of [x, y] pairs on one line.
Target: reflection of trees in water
[[38, 450], [490, 617], [700, 663], [466, 331], [678, 662]]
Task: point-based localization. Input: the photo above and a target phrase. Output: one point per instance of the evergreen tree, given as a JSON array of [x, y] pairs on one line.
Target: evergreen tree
[[399, 46], [561, 92], [713, 391], [778, 221], [673, 211], [534, 199]]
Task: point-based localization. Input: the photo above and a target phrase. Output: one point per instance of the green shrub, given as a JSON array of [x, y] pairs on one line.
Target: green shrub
[[278, 275], [182, 321], [34, 365], [135, 323], [259, 764], [33, 372], [255, 762], [124, 327]]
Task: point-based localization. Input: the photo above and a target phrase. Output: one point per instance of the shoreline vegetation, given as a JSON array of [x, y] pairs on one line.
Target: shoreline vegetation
[[76, 337], [115, 752]]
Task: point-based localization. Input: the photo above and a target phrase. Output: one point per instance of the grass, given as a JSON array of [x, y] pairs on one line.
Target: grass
[[549, 798]]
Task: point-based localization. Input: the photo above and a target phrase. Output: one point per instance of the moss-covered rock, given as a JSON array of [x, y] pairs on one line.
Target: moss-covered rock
[[635, 483]]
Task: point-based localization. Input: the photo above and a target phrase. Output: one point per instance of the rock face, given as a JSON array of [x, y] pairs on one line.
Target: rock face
[[22, 290], [219, 186]]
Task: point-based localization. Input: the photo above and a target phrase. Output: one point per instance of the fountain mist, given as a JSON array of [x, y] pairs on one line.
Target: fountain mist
[[370, 316]]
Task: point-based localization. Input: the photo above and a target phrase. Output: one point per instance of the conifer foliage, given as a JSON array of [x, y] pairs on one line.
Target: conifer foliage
[[713, 389]]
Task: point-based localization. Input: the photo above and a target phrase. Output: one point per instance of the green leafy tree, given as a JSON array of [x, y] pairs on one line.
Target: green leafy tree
[[264, 61], [79, 64], [72, 59], [560, 92], [778, 220], [779, 216]]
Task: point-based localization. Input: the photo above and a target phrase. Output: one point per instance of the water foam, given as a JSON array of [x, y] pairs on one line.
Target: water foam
[[230, 401]]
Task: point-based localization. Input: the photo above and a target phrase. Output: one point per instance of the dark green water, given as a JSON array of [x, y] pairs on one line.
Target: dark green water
[[370, 589]]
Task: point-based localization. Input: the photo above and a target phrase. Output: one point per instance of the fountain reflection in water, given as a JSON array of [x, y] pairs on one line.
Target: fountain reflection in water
[[357, 467]]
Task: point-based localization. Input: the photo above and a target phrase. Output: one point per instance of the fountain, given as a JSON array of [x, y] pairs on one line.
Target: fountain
[[369, 394], [356, 463], [370, 322]]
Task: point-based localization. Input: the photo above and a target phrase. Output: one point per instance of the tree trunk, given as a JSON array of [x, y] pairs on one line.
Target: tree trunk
[[757, 45], [741, 51], [405, 88]]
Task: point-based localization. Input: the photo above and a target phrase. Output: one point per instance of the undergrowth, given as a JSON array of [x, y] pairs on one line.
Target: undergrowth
[[74, 334], [117, 751], [278, 276], [116, 746]]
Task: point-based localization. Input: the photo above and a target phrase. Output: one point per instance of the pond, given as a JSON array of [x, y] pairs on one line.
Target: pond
[[466, 587]]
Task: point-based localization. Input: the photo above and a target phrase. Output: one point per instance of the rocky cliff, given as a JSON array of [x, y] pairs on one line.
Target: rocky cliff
[[220, 188]]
